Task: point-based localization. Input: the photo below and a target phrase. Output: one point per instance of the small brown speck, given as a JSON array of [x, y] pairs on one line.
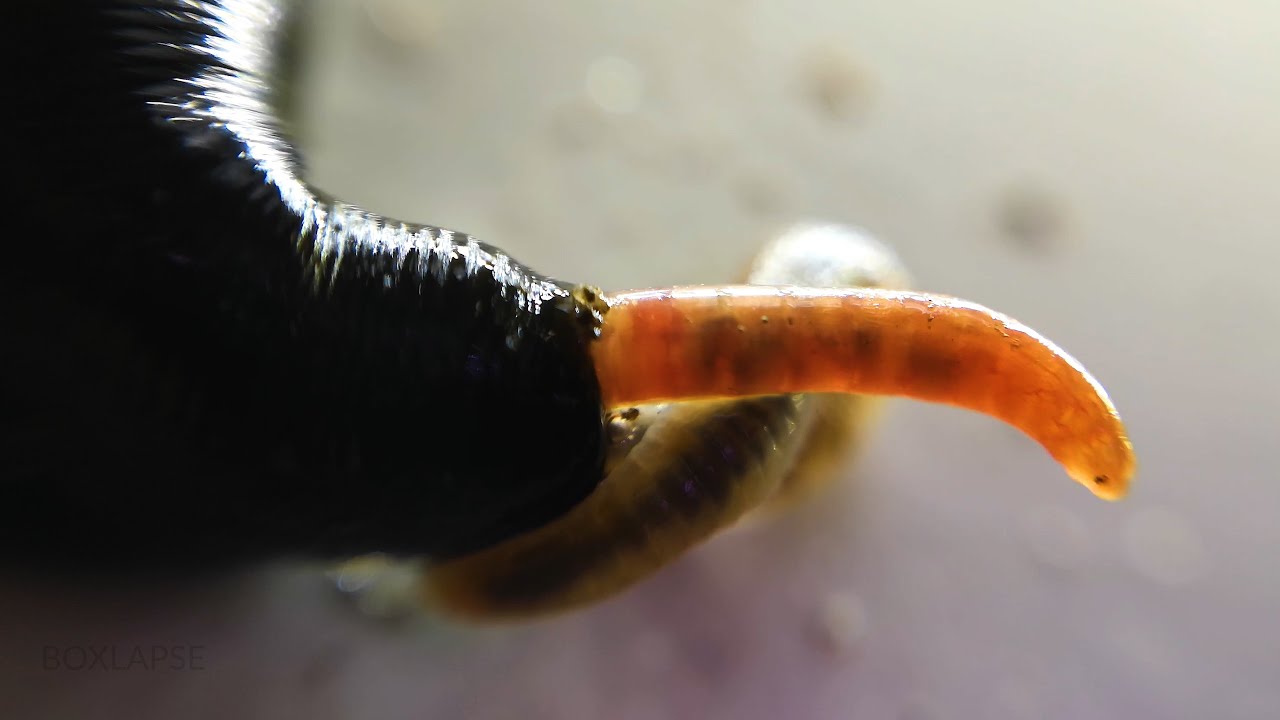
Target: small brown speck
[[868, 342], [836, 87], [592, 298], [764, 319], [1032, 218]]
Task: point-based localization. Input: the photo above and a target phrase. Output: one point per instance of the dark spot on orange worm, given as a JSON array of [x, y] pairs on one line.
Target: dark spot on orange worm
[[932, 367], [722, 333], [867, 343], [715, 333]]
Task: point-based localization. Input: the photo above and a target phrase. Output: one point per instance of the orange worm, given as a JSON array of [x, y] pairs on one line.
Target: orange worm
[[737, 341]]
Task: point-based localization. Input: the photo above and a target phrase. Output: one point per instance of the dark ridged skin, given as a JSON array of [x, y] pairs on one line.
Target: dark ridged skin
[[188, 377]]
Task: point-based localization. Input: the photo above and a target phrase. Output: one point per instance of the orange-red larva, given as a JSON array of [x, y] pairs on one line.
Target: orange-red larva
[[707, 342]]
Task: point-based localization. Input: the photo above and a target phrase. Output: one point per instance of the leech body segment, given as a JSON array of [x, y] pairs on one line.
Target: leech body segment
[[658, 345]]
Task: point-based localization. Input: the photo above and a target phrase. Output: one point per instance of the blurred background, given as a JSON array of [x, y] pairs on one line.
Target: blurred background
[[1105, 172]]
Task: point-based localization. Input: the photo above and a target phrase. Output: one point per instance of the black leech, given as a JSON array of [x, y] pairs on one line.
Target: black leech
[[166, 243]]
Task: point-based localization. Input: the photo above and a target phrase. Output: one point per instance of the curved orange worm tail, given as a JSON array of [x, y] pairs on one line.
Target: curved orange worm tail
[[732, 341]]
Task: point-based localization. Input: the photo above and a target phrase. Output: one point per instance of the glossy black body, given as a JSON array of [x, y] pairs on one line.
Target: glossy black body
[[183, 381]]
